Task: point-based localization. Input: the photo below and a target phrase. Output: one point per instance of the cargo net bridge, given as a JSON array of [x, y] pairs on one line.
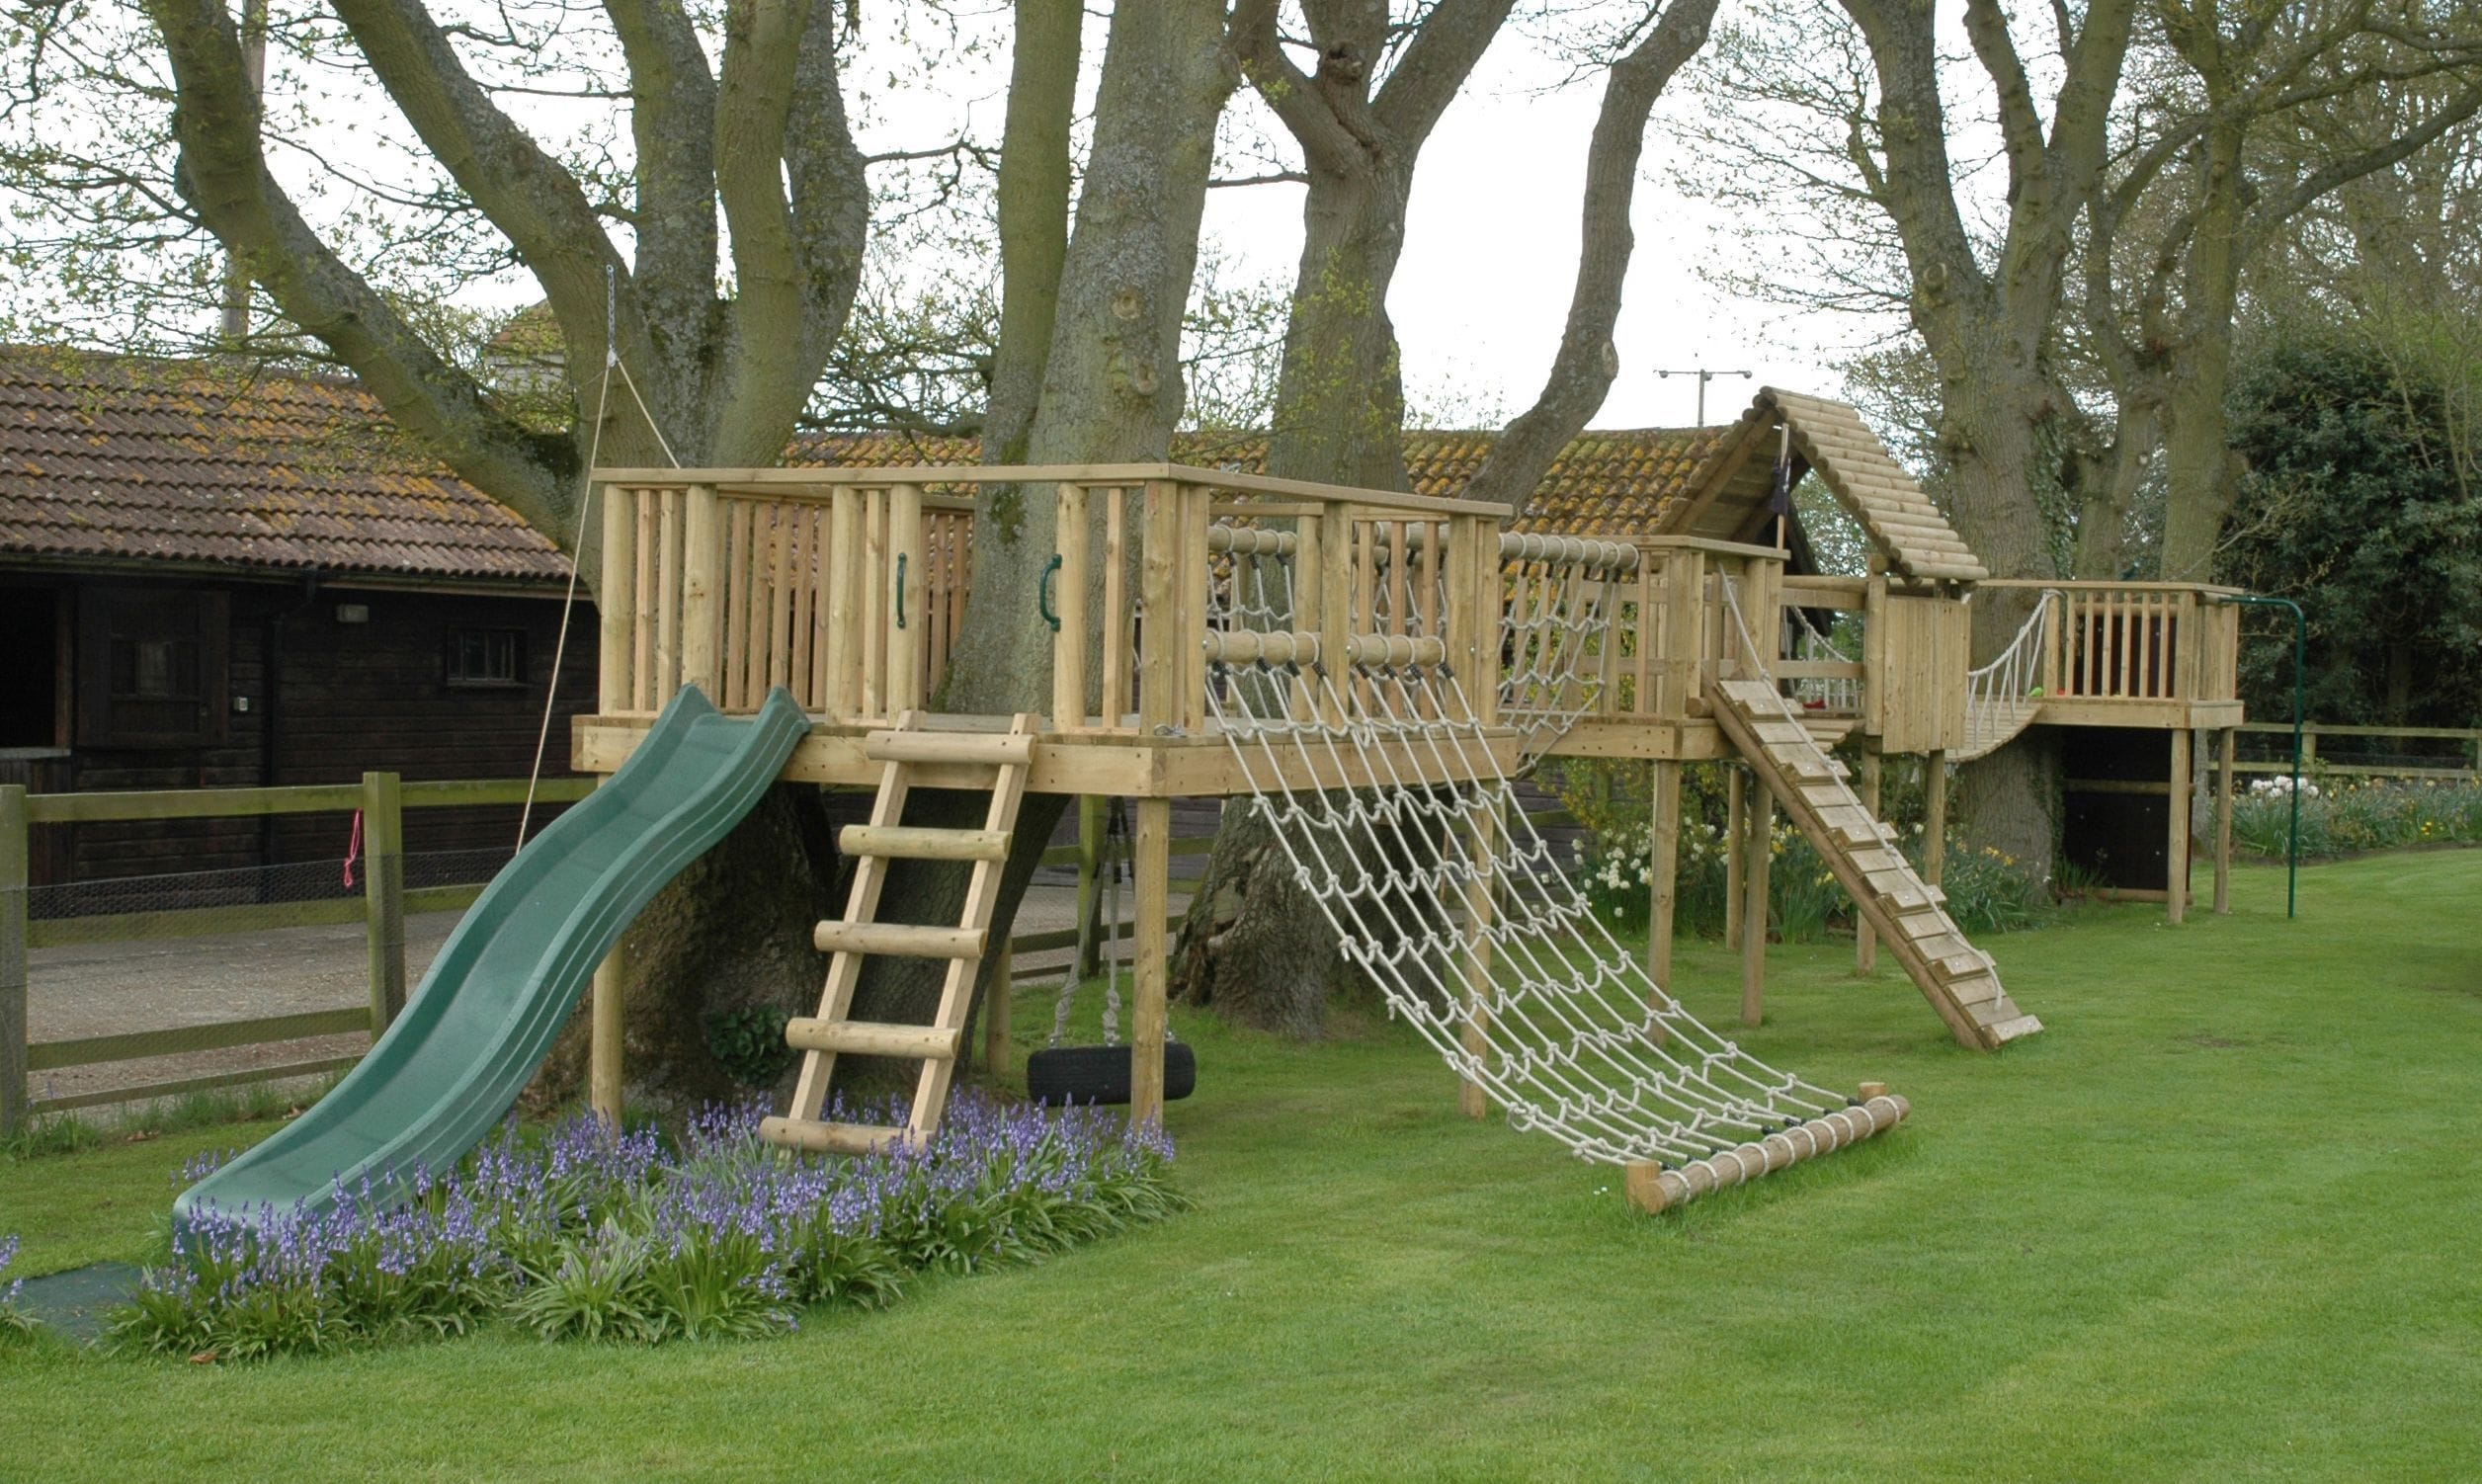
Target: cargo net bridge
[[1442, 893]]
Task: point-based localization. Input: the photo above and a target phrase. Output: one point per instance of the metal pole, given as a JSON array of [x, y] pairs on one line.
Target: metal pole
[[2300, 672]]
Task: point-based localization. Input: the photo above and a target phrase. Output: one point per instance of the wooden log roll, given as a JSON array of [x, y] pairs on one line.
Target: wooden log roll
[[1617, 557], [1244, 648], [1652, 1189], [1250, 540]]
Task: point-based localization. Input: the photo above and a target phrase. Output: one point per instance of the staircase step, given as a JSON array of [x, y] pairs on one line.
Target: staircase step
[[1973, 990], [828, 1138], [872, 1039], [912, 843], [2008, 1030], [989, 749], [898, 939]]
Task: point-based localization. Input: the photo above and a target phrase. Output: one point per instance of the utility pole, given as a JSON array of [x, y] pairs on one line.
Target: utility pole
[[1703, 376]]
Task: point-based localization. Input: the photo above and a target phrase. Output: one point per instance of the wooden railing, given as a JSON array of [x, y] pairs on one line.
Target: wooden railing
[[1673, 637], [2139, 641], [850, 585]]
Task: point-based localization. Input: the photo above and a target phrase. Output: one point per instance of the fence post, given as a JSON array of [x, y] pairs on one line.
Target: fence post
[[383, 895], [15, 856]]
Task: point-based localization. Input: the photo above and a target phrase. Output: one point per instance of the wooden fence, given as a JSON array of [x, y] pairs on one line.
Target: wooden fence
[[2311, 760], [381, 799]]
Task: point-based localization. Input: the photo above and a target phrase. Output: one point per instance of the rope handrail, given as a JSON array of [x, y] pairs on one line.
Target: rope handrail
[[1998, 696]]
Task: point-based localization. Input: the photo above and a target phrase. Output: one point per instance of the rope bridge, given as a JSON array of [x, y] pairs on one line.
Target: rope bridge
[[1445, 895]]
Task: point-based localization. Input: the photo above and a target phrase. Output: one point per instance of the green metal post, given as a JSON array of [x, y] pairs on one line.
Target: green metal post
[[2300, 683]]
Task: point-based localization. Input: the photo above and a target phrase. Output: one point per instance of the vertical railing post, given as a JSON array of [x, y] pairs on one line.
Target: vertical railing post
[[1159, 593], [608, 1020], [1073, 543], [1336, 617], [383, 895], [615, 599], [905, 605], [703, 591], [16, 876]]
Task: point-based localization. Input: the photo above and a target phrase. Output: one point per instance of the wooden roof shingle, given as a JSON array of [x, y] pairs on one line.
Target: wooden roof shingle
[[116, 457], [1727, 496]]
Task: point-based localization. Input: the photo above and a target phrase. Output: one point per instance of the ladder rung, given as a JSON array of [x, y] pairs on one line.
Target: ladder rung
[[913, 843], [993, 749], [900, 939], [828, 1138], [871, 1038]]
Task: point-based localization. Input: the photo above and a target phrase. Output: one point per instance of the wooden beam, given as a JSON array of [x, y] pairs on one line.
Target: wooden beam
[[16, 875], [1864, 937], [1933, 816], [604, 1040], [2176, 834], [1666, 827], [383, 896], [1754, 876], [2223, 823], [1151, 946]]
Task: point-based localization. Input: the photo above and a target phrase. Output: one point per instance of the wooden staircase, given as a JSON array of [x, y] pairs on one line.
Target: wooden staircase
[[831, 1033], [1957, 978]]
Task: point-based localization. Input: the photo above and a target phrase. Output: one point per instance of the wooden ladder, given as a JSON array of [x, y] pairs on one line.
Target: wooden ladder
[[821, 1038], [1958, 979]]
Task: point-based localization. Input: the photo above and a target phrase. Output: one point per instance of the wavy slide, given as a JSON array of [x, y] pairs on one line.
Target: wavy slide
[[506, 980]]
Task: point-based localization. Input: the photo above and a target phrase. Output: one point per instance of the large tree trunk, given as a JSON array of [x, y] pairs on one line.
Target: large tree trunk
[[1253, 943], [1111, 391]]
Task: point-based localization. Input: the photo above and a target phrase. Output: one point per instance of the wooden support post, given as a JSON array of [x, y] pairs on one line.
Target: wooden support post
[[1090, 834], [1159, 593], [2176, 831], [2223, 821], [1480, 828], [998, 1003], [602, 1044], [1735, 826], [1761, 830], [16, 877], [383, 895], [1068, 601], [1666, 825], [703, 591], [1152, 954], [1934, 815], [1864, 939]]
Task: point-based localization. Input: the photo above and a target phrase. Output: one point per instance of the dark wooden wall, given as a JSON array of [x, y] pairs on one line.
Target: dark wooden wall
[[352, 698]]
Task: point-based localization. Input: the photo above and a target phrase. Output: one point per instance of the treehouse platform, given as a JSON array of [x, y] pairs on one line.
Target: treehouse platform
[[847, 589]]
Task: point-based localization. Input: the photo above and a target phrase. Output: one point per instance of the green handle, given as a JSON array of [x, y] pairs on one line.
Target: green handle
[[1042, 594], [900, 590]]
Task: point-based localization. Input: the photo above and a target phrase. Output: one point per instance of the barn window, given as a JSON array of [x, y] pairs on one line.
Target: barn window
[[151, 667], [486, 657]]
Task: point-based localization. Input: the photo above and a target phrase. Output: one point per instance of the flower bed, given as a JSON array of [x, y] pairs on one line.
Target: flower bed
[[587, 1234], [2341, 818], [13, 1319]]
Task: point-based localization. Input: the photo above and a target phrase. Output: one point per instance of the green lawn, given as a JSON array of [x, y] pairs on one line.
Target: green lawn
[[2218, 1221]]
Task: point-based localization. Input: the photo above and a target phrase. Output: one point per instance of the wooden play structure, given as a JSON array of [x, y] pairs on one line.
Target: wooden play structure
[[1372, 670]]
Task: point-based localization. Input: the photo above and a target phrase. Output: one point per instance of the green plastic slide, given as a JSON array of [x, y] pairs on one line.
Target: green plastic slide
[[506, 980]]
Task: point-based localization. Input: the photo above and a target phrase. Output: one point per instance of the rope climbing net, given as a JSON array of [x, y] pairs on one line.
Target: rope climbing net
[[1446, 897]]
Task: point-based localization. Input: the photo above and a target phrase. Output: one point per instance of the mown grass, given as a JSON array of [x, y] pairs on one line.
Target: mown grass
[[2216, 1223]]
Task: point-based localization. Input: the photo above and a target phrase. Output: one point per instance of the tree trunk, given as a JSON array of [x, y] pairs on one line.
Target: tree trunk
[[1253, 943], [2198, 455], [1111, 392]]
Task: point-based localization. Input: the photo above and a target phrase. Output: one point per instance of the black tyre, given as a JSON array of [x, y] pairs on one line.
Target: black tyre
[[1060, 1075]]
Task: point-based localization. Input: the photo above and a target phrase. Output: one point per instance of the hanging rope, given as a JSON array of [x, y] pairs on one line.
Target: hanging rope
[[577, 537]]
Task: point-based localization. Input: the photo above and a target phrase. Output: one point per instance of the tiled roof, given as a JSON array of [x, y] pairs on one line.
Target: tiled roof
[[114, 457], [1727, 495], [1604, 483]]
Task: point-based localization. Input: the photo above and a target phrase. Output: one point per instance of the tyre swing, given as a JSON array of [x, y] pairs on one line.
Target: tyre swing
[[1059, 1075]]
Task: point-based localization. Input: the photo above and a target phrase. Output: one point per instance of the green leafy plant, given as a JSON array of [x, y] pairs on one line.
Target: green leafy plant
[[749, 1043]]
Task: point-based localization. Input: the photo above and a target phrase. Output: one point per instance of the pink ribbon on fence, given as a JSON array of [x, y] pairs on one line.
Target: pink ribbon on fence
[[352, 851]]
